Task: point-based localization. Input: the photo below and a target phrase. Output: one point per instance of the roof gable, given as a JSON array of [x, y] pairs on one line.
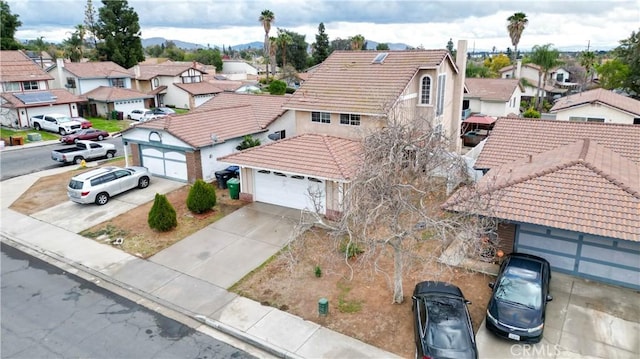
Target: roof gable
[[491, 89], [322, 156], [266, 108], [349, 81], [199, 88], [16, 66], [110, 94], [103, 69], [171, 69], [600, 95]]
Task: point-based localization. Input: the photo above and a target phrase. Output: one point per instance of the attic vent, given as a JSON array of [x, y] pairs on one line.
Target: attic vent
[[380, 58]]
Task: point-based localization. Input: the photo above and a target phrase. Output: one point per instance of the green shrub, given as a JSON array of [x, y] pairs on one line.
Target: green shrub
[[350, 249], [531, 113], [247, 142], [162, 216], [202, 197], [277, 87], [318, 271]]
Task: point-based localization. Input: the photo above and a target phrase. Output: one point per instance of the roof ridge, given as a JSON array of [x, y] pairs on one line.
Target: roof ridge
[[332, 152], [611, 178]]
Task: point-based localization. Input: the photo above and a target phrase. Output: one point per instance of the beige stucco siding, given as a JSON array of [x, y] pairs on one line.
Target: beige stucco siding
[[610, 114]]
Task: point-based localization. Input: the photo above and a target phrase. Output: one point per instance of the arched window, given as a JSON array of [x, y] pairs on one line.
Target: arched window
[[425, 90]]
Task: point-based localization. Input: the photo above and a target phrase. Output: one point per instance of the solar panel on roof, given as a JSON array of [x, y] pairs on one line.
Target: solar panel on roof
[[380, 58], [35, 97]]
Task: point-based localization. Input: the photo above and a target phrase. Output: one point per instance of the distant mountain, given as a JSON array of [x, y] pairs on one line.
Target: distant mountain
[[251, 45], [180, 44], [371, 45]]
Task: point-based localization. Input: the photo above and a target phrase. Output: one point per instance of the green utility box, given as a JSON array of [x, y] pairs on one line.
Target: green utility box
[[323, 306], [234, 188]]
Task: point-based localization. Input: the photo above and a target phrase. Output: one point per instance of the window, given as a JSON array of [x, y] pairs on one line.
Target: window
[[191, 79], [71, 83], [11, 86], [30, 85], [425, 91], [349, 119], [585, 119], [156, 82], [117, 83], [321, 117], [440, 99]]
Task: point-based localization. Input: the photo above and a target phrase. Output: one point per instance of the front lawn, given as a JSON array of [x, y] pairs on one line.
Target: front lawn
[[110, 126], [5, 133]]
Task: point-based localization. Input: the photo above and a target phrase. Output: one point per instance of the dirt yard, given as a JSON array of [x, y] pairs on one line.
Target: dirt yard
[[359, 307]]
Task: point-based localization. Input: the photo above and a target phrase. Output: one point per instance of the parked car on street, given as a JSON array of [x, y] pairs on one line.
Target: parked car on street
[[442, 324], [84, 123], [61, 124], [99, 185], [141, 114], [516, 310], [163, 111], [87, 134], [83, 150]]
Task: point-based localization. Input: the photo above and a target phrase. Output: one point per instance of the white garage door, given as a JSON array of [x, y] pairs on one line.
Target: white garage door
[[289, 190], [604, 259], [127, 106], [164, 162]]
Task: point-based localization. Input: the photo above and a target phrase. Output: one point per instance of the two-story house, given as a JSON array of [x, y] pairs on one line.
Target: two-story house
[[350, 93], [492, 97], [179, 85], [105, 84], [25, 92], [598, 105]]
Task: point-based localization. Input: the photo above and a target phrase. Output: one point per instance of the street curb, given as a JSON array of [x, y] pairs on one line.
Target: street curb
[[90, 274]]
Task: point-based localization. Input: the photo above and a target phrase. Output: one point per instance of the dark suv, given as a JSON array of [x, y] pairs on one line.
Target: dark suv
[[517, 306]]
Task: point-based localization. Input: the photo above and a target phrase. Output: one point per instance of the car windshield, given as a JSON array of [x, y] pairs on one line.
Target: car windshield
[[63, 119], [520, 286], [75, 184], [448, 328]]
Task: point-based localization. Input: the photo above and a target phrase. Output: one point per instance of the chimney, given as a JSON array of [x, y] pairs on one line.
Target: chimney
[[62, 80], [458, 94], [136, 71], [519, 68]]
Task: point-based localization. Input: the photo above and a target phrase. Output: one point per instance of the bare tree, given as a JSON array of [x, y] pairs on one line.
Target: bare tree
[[394, 201]]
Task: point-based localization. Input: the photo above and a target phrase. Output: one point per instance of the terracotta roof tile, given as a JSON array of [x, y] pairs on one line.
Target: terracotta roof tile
[[109, 94], [147, 72], [582, 186], [199, 88], [516, 138], [491, 89], [226, 85], [103, 69], [62, 97], [197, 128], [266, 108], [599, 95], [348, 81], [16, 66], [320, 156]]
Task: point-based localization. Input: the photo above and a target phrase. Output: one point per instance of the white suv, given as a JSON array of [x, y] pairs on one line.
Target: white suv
[[141, 115], [97, 186]]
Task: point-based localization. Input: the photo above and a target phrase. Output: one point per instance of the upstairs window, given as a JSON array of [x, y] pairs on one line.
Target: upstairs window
[[440, 99], [425, 91], [30, 85], [11, 86], [117, 83], [321, 117], [349, 119], [191, 79]]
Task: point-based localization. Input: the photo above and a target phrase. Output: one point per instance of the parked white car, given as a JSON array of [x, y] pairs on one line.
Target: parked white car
[[99, 185], [141, 114], [59, 123]]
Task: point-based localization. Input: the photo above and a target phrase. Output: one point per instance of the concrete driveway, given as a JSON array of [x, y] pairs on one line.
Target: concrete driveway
[[76, 217], [586, 319]]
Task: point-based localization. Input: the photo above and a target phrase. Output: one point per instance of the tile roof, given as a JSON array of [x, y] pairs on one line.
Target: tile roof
[[491, 89], [321, 156], [598, 95], [110, 94], [62, 97], [510, 67], [266, 108], [226, 85], [149, 71], [199, 88], [16, 66], [103, 69], [196, 128], [581, 186], [480, 120], [514, 138], [348, 81]]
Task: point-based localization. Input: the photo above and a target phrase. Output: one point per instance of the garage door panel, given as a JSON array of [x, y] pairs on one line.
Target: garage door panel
[[176, 156], [557, 261], [163, 162], [288, 191], [552, 244], [609, 255], [607, 271], [150, 151]]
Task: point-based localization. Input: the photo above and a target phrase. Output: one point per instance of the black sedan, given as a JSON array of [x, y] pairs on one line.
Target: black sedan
[[517, 306], [86, 134], [442, 324]]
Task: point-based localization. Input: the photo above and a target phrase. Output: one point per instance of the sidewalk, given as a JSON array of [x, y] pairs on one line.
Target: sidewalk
[[175, 285]]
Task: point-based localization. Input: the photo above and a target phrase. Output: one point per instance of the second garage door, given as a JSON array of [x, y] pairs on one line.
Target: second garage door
[[288, 190], [165, 163]]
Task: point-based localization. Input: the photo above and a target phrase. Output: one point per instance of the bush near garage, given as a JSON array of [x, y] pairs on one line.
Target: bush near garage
[[202, 197], [162, 216]]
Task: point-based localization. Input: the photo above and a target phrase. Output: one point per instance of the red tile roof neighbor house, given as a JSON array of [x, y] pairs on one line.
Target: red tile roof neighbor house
[[16, 66], [322, 156], [581, 186], [598, 96], [491, 89]]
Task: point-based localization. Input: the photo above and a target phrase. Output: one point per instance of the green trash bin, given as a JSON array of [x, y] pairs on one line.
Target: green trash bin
[[114, 115], [234, 188]]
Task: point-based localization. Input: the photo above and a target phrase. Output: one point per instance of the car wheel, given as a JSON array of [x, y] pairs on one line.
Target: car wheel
[[143, 182], [100, 138], [110, 154], [75, 140], [102, 198], [78, 160], [62, 132], [37, 127]]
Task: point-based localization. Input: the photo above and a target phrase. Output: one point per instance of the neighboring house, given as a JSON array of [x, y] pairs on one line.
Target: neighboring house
[[83, 77], [598, 105], [41, 58], [185, 147], [104, 100], [25, 92], [179, 85], [566, 191], [239, 70], [350, 93], [492, 97], [528, 72]]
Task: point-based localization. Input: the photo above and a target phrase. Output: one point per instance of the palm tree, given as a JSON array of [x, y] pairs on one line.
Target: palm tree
[[546, 58], [266, 18], [517, 23], [588, 61], [283, 40], [357, 42]]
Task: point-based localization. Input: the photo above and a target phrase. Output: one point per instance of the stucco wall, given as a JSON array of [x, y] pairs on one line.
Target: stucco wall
[[609, 114]]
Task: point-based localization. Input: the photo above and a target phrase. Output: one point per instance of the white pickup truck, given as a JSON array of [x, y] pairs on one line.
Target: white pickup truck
[[55, 123], [83, 150]]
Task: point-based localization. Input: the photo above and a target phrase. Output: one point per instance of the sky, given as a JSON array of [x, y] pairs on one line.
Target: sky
[[567, 24]]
